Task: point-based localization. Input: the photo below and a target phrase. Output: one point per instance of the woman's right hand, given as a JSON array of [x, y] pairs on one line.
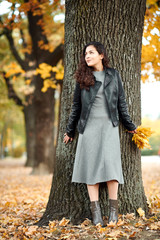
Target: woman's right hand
[[67, 138]]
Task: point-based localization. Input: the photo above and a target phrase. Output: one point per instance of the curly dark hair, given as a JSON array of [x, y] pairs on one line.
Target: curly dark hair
[[83, 74]]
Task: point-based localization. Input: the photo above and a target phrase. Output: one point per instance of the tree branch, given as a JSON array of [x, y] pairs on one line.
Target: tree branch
[[53, 58], [21, 62], [11, 93], [23, 40], [28, 57], [8, 33], [36, 32]]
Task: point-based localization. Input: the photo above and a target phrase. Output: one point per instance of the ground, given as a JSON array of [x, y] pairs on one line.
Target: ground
[[23, 199]]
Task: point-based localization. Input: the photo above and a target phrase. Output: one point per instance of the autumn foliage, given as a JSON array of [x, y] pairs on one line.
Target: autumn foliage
[[150, 62], [50, 75], [14, 25], [24, 197], [141, 137]]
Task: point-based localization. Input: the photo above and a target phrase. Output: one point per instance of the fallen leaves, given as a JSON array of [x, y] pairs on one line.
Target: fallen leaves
[[31, 230], [141, 212], [85, 223], [64, 222], [24, 198], [130, 216]]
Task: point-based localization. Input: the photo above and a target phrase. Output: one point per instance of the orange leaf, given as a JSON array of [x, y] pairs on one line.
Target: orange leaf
[[64, 222]]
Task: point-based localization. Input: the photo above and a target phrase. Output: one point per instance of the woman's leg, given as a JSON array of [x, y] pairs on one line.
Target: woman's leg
[[113, 202], [112, 189], [93, 191]]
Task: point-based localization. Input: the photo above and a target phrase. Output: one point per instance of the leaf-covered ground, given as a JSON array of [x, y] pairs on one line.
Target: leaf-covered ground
[[23, 198]]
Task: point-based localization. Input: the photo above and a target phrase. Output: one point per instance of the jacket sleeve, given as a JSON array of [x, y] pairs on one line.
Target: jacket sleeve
[[123, 108], [75, 112]]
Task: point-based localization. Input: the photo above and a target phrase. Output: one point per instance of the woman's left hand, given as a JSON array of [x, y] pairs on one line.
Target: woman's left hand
[[67, 138], [134, 131]]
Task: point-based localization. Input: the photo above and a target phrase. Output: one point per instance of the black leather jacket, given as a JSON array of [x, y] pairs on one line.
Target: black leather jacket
[[115, 98]]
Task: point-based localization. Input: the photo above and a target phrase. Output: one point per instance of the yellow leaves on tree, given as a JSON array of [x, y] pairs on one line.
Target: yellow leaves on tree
[[59, 75], [44, 46], [141, 137], [11, 23], [150, 62], [45, 70], [27, 49], [34, 6], [59, 72], [25, 7], [48, 83], [50, 27], [154, 5], [28, 81], [13, 69]]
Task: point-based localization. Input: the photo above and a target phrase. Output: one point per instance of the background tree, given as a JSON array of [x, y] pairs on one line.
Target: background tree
[[33, 22], [155, 138], [150, 63], [12, 136], [119, 26]]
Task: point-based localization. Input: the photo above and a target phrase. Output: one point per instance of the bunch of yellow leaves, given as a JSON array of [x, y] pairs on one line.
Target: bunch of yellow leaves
[[141, 138]]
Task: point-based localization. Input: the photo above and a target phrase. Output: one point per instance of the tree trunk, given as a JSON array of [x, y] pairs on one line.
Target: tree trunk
[[30, 134], [119, 25], [2, 152], [28, 110], [44, 128], [1, 146]]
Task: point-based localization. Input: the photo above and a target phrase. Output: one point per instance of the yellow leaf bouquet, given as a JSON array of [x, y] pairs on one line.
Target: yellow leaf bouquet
[[141, 137]]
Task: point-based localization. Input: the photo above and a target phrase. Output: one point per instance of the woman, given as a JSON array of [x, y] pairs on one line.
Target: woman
[[98, 102]]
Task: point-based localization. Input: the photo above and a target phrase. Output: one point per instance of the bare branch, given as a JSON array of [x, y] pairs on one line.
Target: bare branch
[[23, 40], [8, 33], [22, 63], [11, 93], [53, 58]]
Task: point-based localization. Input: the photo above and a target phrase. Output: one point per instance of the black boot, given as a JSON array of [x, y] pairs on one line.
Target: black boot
[[113, 211], [96, 213]]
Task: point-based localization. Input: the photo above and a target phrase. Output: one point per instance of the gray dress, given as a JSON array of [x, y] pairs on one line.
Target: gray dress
[[98, 156]]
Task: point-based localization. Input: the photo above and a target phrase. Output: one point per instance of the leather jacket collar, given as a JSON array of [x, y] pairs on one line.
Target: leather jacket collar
[[108, 76]]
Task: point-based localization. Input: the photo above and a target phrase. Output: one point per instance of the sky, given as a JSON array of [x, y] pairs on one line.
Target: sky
[[150, 91], [150, 99], [4, 7]]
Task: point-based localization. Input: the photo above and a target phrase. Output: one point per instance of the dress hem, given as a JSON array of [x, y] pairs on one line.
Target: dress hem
[[100, 181]]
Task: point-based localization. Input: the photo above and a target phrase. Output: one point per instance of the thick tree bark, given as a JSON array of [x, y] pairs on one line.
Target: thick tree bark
[[119, 25]]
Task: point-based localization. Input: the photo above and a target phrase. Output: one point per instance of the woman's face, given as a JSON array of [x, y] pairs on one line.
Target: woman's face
[[92, 57]]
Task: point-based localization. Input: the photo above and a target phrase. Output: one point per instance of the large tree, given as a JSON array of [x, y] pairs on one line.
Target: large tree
[[35, 48], [119, 25]]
